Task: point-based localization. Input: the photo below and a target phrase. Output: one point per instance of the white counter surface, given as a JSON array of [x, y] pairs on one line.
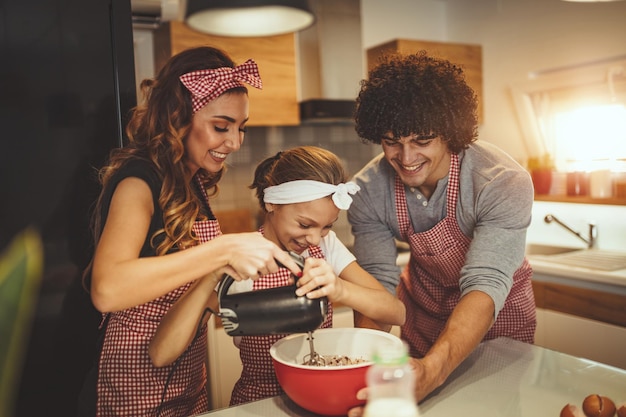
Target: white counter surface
[[542, 266], [607, 281], [501, 378]]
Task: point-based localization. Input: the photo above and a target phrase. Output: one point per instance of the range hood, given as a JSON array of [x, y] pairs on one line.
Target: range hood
[[149, 14], [330, 62]]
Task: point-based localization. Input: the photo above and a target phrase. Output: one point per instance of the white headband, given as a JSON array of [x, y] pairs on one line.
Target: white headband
[[301, 191]]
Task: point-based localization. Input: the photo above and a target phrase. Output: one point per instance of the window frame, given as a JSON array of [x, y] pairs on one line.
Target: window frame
[[591, 76]]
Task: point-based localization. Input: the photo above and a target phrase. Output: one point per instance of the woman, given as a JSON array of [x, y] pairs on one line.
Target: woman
[[155, 233]]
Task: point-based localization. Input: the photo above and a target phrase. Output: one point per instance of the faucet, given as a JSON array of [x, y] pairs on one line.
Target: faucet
[[593, 231]]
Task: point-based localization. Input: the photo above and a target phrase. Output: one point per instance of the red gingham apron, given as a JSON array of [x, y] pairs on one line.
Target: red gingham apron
[[429, 285], [128, 383], [258, 379]]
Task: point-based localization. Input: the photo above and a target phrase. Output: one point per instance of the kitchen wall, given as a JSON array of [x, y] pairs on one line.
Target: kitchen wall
[[610, 221], [517, 37]]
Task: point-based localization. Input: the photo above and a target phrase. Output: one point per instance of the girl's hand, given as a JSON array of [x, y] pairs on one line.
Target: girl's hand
[[319, 280]]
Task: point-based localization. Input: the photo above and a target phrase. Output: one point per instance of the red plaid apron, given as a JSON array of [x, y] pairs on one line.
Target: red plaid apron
[[258, 379], [429, 285], [128, 383]]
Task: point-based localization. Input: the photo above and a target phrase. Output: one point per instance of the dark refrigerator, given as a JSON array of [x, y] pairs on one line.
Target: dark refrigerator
[[67, 83]]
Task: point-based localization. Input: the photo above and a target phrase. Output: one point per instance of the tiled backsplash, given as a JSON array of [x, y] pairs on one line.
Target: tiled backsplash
[[262, 142]]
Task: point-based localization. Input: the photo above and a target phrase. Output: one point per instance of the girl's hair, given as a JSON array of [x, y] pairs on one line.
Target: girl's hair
[[417, 94], [157, 131], [300, 163]]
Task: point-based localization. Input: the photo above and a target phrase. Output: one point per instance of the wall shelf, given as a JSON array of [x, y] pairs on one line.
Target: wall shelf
[[615, 201]]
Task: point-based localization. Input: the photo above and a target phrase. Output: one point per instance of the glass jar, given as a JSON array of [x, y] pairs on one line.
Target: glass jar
[[542, 180], [600, 179], [618, 175], [559, 183], [577, 183]]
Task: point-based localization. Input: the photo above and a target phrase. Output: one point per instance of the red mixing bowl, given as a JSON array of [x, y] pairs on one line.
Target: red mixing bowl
[[326, 390]]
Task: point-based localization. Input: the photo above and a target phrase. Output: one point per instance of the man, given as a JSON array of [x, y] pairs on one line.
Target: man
[[463, 206]]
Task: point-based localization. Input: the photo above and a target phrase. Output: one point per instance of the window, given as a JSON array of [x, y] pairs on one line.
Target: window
[[577, 114], [589, 135]]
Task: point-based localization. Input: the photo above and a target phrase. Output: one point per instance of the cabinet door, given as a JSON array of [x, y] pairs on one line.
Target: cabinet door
[[581, 337], [224, 365], [277, 103], [580, 321]]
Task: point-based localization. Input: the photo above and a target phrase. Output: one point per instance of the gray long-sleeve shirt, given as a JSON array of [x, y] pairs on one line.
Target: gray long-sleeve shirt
[[493, 209]]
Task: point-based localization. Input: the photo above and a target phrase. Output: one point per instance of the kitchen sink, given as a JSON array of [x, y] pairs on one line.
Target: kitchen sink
[[595, 259]]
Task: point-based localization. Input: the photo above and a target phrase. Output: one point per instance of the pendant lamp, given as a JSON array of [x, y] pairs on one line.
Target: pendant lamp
[[248, 17]]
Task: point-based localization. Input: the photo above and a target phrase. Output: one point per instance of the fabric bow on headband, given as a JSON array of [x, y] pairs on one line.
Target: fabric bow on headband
[[300, 191], [208, 84]]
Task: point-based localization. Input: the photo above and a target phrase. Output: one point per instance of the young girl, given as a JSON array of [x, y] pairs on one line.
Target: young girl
[[154, 204], [301, 191]]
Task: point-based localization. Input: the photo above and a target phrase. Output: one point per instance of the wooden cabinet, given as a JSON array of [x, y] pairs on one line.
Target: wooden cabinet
[[469, 57], [584, 338], [277, 103], [583, 302], [581, 322]]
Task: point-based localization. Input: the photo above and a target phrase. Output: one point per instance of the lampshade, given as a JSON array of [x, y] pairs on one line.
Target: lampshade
[[248, 17]]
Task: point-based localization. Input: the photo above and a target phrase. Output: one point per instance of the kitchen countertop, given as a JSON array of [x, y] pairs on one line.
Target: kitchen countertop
[[542, 265], [502, 377]]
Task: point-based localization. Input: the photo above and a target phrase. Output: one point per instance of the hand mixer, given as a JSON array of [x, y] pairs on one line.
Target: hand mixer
[[313, 358], [270, 311]]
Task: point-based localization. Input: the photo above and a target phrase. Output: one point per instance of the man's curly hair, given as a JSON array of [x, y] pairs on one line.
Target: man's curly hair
[[417, 94]]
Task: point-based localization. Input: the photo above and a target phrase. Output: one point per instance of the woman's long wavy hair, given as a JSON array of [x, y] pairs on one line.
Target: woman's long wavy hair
[[300, 163], [157, 132]]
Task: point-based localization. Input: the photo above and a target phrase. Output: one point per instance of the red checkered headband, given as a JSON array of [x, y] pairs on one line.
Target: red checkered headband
[[208, 84]]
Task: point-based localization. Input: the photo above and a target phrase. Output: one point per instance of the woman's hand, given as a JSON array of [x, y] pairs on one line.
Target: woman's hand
[[319, 280], [251, 256]]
